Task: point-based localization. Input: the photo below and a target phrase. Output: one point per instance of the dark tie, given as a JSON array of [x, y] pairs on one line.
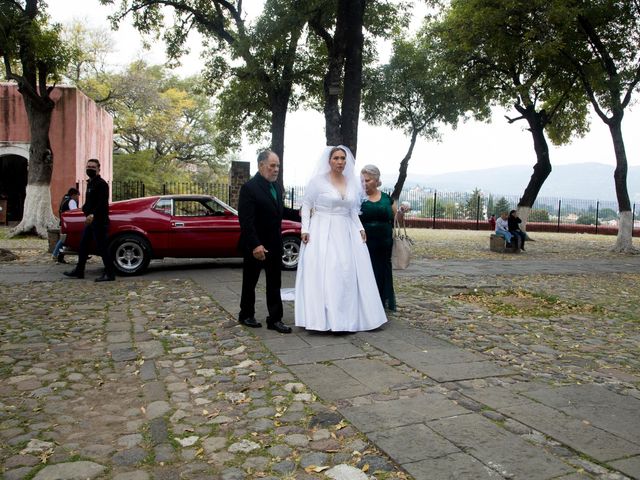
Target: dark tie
[[274, 194]]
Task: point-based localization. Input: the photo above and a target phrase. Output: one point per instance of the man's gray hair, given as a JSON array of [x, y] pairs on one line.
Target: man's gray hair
[[372, 171], [264, 155]]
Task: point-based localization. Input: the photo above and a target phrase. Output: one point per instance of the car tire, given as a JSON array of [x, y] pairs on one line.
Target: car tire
[[290, 252], [130, 254]]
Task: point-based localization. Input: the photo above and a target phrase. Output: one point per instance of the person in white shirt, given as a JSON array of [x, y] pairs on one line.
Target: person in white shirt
[[502, 227]]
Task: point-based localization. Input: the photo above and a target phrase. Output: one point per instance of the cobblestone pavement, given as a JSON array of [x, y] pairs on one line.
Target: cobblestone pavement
[[150, 379], [480, 374]]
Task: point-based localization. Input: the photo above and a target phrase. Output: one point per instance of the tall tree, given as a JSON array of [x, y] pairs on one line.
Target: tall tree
[[601, 40], [34, 56], [500, 51], [414, 94], [341, 26], [263, 66], [169, 117]]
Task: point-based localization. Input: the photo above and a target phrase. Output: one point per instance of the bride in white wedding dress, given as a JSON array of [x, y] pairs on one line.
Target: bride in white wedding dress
[[335, 285]]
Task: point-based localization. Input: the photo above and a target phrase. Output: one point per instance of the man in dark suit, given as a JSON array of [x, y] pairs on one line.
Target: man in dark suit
[[96, 208], [260, 211]]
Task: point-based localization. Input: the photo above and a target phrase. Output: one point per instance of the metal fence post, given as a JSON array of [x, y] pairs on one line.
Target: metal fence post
[[559, 206], [597, 213], [478, 213], [293, 196], [633, 218], [435, 197]]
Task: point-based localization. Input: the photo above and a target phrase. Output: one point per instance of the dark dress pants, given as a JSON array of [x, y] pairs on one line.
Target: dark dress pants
[[250, 273], [99, 234]]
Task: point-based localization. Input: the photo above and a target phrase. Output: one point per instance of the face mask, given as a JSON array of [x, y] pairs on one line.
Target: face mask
[[91, 173]]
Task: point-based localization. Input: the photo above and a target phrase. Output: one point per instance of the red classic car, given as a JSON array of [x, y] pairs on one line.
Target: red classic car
[[186, 226]]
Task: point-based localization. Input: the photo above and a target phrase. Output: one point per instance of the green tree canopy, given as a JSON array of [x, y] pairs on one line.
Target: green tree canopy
[[414, 94], [600, 41], [167, 117], [501, 52]]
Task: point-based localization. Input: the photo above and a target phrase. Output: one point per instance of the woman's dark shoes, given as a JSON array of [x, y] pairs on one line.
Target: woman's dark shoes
[[250, 322], [73, 274], [105, 278], [279, 327]]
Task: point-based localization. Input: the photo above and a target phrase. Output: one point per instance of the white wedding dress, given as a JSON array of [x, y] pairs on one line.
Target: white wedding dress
[[335, 286]]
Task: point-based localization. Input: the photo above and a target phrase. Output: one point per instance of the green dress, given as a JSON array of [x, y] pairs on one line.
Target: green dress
[[377, 220]]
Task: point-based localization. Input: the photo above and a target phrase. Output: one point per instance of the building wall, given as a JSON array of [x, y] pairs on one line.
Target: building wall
[[79, 130]]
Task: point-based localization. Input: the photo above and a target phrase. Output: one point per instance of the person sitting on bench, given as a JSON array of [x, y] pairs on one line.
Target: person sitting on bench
[[502, 227], [514, 228]]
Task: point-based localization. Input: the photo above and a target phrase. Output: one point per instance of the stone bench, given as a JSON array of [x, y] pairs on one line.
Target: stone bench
[[499, 244]]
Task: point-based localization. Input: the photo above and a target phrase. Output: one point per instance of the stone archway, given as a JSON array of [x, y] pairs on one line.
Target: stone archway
[[13, 184]]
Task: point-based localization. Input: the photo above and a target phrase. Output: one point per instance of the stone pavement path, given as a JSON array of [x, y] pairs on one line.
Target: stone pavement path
[[152, 378], [143, 379]]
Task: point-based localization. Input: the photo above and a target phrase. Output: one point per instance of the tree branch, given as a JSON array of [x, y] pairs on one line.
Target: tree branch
[[513, 120]]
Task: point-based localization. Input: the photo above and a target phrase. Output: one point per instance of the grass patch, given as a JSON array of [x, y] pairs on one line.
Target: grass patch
[[519, 302]]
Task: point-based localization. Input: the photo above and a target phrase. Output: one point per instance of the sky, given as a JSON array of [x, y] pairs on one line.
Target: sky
[[472, 146]]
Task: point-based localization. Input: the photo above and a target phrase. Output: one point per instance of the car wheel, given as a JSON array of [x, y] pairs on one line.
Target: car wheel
[[131, 254], [290, 252]]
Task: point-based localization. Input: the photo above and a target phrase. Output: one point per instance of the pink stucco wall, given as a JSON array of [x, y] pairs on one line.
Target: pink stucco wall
[[79, 130]]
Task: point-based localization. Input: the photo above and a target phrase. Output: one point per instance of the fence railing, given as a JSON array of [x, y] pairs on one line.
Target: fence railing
[[433, 209], [126, 190]]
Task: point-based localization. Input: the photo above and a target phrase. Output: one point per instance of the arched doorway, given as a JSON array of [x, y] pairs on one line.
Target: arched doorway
[[13, 185]]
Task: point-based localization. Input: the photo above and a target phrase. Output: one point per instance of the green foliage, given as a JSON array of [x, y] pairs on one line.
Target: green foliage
[[32, 48], [453, 210], [412, 92], [474, 205], [607, 214], [169, 117], [538, 215], [427, 209], [504, 53], [586, 219], [88, 49], [502, 205], [143, 167]]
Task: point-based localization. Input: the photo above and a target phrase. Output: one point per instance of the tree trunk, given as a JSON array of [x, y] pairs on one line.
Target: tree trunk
[[625, 226], [278, 120], [332, 84], [542, 168], [352, 93], [38, 215], [404, 165]]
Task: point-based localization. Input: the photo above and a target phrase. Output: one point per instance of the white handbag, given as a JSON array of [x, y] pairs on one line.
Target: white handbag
[[402, 244]]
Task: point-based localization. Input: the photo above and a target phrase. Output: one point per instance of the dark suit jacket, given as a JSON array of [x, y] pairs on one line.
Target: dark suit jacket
[[261, 216], [97, 200]]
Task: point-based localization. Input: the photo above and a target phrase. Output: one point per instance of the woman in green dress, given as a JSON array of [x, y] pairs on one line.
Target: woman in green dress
[[377, 216]]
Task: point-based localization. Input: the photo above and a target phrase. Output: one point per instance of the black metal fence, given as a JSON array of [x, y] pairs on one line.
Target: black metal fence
[[432, 208], [126, 190]]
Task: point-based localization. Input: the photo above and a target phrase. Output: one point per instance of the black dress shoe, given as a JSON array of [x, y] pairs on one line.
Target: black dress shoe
[[279, 327], [105, 278], [73, 274], [250, 322]]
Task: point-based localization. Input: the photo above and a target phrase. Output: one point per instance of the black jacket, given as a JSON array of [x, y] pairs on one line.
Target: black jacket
[[514, 223], [97, 201], [261, 216]]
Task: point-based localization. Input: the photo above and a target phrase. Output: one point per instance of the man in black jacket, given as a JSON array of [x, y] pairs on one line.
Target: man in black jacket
[[260, 211], [96, 208]]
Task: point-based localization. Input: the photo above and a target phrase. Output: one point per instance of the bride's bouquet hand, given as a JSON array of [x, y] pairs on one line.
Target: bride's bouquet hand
[[305, 238]]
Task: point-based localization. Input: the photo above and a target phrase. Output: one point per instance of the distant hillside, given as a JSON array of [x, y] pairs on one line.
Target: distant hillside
[[581, 180]]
